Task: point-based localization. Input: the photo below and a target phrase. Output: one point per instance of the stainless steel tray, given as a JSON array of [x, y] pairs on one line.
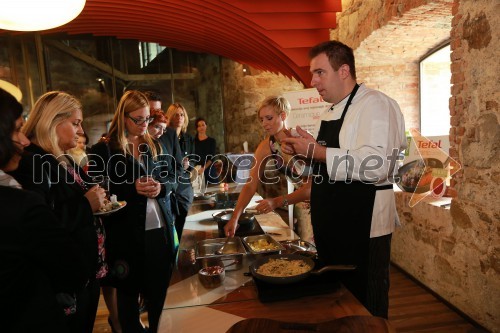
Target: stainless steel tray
[[249, 242], [207, 247], [292, 246], [232, 259]]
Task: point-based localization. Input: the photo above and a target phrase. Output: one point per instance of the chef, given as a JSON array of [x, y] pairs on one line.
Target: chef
[[359, 139]]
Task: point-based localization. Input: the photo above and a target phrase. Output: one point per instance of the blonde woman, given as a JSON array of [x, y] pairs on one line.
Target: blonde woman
[[272, 114], [178, 121], [141, 240], [54, 126]]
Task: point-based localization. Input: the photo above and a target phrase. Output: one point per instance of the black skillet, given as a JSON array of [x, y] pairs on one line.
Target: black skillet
[[295, 278]]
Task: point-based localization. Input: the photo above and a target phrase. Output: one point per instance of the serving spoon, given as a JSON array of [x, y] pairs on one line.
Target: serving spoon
[[221, 249]]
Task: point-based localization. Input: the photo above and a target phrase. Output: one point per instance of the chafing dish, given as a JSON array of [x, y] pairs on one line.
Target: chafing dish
[[262, 244], [231, 259]]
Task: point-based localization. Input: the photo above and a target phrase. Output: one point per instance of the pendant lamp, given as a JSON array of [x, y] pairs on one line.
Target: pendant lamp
[[35, 15]]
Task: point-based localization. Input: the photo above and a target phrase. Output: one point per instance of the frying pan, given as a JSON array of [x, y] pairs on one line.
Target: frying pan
[[424, 186], [216, 216], [295, 278], [245, 218]]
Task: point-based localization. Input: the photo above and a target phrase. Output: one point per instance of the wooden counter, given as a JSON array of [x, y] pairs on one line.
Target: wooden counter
[[190, 308]]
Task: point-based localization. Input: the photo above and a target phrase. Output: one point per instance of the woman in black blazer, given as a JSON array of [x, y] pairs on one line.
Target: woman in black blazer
[[142, 241], [38, 258], [54, 126]]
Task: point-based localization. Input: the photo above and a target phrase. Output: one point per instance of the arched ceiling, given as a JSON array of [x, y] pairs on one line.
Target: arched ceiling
[[272, 35]]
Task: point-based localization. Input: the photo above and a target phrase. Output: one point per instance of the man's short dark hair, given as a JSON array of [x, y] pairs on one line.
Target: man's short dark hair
[[153, 95], [338, 54]]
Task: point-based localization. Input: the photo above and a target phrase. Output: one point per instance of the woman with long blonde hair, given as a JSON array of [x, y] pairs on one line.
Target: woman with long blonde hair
[[142, 241], [53, 126], [179, 120]]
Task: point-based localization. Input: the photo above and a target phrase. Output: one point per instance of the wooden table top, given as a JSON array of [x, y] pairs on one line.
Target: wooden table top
[[191, 308]]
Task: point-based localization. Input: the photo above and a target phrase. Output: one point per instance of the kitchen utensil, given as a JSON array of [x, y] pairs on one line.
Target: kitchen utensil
[[262, 244], [217, 216], [294, 278], [292, 246], [245, 218], [233, 258], [220, 251], [416, 176]]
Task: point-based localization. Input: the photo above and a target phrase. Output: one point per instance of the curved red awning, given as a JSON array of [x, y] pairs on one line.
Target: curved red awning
[[273, 35]]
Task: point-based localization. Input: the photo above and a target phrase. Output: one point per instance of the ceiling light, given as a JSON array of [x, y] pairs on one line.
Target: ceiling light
[[35, 15]]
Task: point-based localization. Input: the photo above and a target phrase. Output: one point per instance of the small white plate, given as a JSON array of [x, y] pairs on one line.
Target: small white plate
[[122, 204]]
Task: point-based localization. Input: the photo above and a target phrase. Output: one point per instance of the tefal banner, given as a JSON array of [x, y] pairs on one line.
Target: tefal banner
[[307, 105], [426, 165]]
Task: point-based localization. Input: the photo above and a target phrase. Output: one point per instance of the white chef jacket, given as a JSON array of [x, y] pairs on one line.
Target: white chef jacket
[[373, 126]]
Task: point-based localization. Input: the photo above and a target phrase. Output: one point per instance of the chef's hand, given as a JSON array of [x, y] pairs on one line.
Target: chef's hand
[[147, 187], [96, 197], [265, 206], [230, 227], [303, 144]]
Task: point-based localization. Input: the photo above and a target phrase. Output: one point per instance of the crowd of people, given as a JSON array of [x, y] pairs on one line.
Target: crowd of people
[[58, 251], [130, 253]]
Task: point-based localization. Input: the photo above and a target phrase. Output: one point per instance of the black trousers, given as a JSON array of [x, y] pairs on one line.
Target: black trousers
[[87, 301], [157, 270], [377, 297], [184, 198]]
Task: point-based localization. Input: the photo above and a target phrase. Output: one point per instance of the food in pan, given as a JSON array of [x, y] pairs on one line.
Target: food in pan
[[283, 268], [263, 245], [413, 175]]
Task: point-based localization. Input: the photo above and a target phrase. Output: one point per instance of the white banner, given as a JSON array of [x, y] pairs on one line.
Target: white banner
[[307, 105]]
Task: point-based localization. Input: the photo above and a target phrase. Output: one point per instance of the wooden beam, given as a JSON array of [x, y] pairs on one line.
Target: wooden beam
[[110, 71]]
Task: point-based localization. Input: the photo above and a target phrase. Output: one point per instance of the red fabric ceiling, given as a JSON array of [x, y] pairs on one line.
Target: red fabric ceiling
[[273, 35]]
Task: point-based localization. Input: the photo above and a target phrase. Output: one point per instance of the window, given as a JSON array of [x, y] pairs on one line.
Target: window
[[435, 93], [149, 51]]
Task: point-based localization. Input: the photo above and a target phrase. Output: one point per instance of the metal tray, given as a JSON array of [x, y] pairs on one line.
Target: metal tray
[[292, 246], [249, 240], [206, 256]]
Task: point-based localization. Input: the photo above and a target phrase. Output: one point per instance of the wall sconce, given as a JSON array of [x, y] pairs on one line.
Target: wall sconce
[[35, 15]]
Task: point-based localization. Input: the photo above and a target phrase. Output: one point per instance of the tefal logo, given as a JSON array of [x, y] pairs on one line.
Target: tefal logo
[[429, 144], [311, 100]]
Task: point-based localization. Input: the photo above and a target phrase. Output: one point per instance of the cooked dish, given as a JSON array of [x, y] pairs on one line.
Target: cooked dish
[[109, 205], [283, 268], [263, 245], [212, 270], [413, 175]]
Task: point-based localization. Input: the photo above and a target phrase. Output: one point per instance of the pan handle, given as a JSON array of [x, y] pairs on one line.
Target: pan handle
[[336, 268]]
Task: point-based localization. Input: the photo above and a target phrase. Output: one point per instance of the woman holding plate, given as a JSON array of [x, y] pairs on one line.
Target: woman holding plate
[[142, 241], [54, 126]]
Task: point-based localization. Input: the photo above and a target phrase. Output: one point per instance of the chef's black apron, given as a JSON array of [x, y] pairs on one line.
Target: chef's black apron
[[341, 214]]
